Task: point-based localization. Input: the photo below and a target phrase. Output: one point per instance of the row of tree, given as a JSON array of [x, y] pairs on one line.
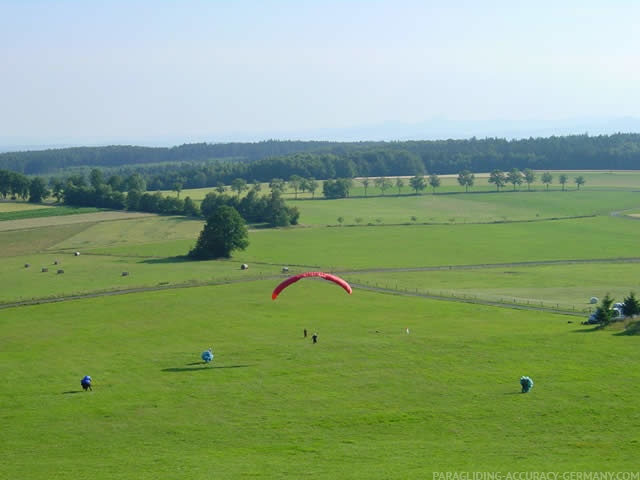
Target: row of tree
[[341, 187]]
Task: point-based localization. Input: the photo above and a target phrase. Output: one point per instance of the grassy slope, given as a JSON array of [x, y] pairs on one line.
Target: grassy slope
[[337, 249], [569, 286], [413, 246], [369, 401], [464, 208]]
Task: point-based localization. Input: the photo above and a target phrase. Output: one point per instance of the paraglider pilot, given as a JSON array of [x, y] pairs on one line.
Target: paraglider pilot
[[526, 383], [86, 383]]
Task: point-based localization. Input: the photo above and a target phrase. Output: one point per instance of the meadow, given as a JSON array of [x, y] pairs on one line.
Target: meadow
[[369, 400]]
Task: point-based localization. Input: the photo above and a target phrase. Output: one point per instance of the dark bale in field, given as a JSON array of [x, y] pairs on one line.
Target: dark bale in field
[[125, 274], [244, 266], [27, 265], [60, 271], [45, 269]]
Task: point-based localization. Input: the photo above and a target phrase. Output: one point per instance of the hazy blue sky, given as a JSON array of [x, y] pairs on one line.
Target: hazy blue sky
[[206, 70]]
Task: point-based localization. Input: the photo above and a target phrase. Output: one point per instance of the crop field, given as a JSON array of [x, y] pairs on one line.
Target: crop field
[[12, 206], [417, 371]]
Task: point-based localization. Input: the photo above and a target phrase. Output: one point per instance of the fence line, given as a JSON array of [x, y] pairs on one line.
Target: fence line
[[474, 298]]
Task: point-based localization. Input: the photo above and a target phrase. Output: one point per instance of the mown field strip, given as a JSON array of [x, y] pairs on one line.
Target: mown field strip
[[41, 222]]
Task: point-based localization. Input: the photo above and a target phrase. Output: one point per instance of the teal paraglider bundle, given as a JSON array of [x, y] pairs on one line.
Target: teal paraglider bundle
[[207, 356], [526, 383]]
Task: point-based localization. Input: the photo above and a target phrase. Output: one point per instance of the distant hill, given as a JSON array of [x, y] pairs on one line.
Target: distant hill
[[433, 129]]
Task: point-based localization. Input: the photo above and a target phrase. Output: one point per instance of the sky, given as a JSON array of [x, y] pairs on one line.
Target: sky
[[144, 71]]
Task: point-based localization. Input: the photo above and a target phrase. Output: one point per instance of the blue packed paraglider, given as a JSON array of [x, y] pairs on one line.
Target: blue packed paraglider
[[207, 356], [86, 383], [526, 383]]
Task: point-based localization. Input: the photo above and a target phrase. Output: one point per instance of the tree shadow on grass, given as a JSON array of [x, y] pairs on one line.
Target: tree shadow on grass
[[201, 367], [178, 259], [632, 328], [588, 330]]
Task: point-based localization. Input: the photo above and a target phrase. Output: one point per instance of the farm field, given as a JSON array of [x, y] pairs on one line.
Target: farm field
[[594, 180], [512, 272], [339, 249]]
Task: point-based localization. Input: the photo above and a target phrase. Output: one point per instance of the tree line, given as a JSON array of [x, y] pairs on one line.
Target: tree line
[[118, 193], [208, 165]]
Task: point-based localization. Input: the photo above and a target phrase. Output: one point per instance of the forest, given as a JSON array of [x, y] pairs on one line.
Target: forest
[[209, 165]]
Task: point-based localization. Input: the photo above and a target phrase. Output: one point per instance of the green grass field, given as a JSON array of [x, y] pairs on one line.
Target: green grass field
[[369, 401]]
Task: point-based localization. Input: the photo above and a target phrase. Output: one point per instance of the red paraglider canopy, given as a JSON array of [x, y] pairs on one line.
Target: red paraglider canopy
[[295, 278]]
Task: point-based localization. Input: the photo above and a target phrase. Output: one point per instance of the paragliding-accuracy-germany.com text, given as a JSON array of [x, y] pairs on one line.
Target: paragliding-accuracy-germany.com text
[[536, 476]]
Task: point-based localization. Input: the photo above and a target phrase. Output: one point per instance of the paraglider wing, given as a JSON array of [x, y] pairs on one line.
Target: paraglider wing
[[300, 276]]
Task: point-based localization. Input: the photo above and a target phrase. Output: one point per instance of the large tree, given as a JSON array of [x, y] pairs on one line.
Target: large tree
[[365, 184], [563, 179], [37, 190], [311, 184], [466, 179], [631, 306], [603, 313], [383, 183], [224, 232], [547, 178], [399, 184], [295, 182], [239, 185], [515, 177], [529, 177], [418, 182], [434, 181], [498, 178]]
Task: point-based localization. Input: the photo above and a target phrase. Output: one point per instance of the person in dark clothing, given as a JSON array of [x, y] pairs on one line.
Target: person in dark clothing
[[305, 333], [314, 337]]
